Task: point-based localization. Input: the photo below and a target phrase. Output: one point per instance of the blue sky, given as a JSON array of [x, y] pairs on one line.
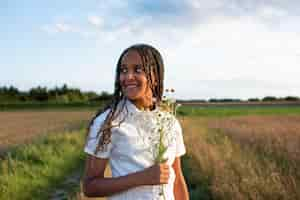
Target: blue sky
[[211, 49]]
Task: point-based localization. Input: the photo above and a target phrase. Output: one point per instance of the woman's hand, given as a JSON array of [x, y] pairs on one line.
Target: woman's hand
[[96, 185], [157, 174]]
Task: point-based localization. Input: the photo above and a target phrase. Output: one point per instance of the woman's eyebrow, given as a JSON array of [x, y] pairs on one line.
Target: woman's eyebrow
[[133, 65]]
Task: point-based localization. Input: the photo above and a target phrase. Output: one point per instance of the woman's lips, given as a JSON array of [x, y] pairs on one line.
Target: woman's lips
[[131, 86]]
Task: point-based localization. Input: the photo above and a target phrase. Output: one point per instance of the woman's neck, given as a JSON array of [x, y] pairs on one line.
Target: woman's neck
[[143, 104]]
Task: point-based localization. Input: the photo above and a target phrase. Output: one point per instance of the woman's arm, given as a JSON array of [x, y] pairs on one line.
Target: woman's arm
[[180, 188], [95, 185]]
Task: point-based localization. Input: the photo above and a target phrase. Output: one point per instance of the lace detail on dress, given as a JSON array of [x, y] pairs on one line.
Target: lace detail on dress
[[148, 124]]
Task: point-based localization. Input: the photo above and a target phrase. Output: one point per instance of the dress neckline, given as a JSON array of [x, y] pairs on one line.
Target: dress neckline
[[133, 108]]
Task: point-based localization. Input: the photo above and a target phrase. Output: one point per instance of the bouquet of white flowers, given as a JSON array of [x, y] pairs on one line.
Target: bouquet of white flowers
[[165, 121]]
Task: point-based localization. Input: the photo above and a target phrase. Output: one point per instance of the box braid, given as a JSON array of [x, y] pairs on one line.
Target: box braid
[[154, 69]]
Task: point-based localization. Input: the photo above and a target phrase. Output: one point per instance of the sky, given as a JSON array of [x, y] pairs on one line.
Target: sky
[[211, 48]]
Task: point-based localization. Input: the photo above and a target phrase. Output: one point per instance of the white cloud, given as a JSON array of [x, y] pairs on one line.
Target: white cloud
[[59, 28], [241, 46], [95, 20], [271, 12], [204, 4]]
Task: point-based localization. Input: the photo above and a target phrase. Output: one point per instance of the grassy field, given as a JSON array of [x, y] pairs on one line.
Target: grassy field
[[35, 171], [232, 152], [227, 111], [21, 127], [42, 155], [243, 156], [50, 106]]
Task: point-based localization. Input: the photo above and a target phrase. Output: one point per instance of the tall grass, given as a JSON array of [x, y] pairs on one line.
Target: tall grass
[[277, 136], [32, 171], [230, 171]]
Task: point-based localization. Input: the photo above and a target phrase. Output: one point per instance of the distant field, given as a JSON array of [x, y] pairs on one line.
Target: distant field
[[23, 126], [50, 106], [226, 111]]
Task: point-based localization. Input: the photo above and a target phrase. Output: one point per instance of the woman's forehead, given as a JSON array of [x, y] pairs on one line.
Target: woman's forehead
[[131, 57]]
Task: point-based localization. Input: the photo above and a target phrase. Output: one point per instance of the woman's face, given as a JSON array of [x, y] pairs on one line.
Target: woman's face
[[133, 79]]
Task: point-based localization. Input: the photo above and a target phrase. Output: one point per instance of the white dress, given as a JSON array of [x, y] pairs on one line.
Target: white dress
[[133, 147]]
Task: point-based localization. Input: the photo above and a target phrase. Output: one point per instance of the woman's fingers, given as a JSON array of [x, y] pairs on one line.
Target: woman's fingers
[[158, 174], [164, 173]]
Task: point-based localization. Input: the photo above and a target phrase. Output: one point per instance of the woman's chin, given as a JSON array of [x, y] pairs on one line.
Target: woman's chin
[[131, 96]]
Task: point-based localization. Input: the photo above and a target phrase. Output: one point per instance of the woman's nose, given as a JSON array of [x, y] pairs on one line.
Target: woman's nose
[[129, 75]]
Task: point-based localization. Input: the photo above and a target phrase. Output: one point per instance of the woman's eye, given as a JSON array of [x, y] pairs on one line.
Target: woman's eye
[[123, 70], [138, 69]]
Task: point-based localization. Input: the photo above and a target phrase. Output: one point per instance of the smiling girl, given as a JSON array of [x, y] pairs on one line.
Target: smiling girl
[[120, 135]]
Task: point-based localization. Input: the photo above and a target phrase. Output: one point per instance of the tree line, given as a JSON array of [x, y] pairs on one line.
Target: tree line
[[264, 99], [66, 94], [63, 94]]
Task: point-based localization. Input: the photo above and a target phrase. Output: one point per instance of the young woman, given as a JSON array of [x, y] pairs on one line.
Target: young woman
[[125, 133]]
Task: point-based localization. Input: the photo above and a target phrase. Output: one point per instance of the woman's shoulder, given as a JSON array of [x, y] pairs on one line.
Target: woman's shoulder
[[99, 119], [117, 112]]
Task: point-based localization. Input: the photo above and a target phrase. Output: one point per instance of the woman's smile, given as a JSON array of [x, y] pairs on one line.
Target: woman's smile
[[131, 85], [131, 88]]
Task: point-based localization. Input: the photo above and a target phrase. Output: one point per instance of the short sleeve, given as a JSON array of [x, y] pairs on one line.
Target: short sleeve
[[92, 139], [180, 147]]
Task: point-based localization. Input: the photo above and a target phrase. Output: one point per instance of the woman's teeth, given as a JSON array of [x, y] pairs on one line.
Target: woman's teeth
[[131, 86]]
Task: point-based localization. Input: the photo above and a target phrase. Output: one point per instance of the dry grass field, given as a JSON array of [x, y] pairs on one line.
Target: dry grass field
[[21, 127], [245, 157], [278, 135]]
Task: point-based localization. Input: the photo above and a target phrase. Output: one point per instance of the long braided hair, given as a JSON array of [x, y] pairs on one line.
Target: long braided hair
[[153, 67]]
